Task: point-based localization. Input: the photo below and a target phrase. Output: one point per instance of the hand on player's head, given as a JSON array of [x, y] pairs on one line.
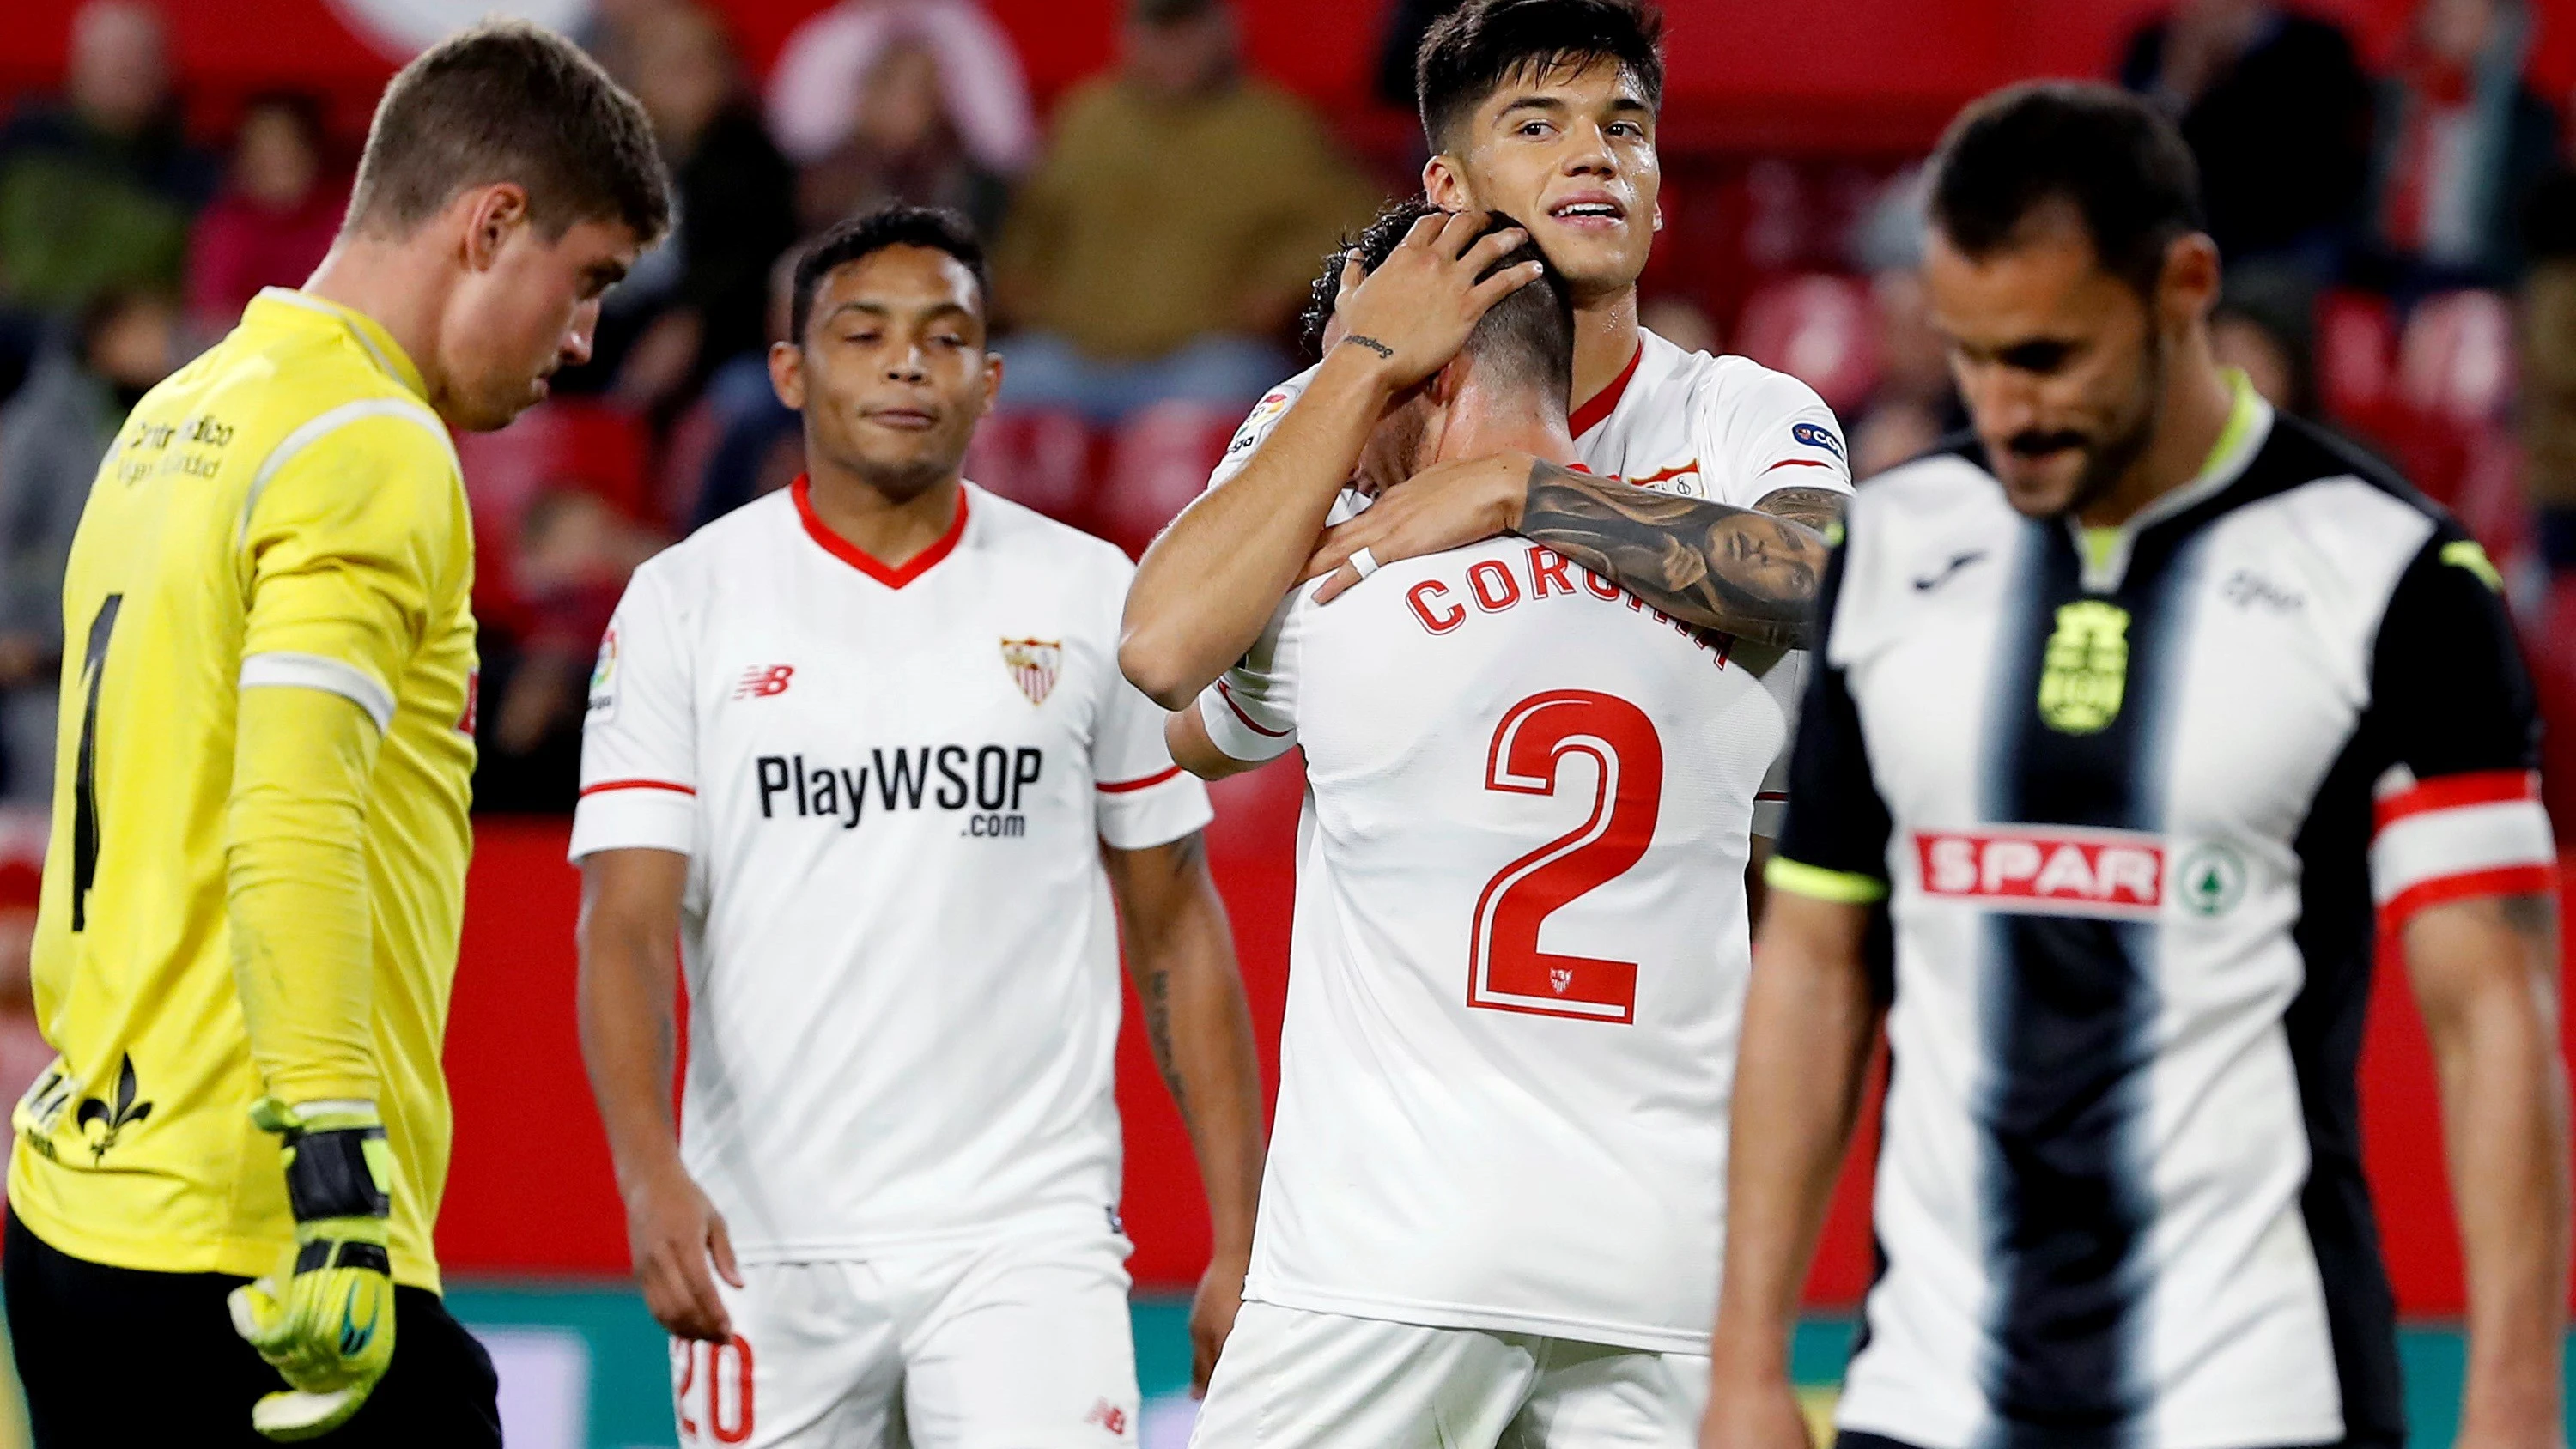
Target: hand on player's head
[[1418, 308]]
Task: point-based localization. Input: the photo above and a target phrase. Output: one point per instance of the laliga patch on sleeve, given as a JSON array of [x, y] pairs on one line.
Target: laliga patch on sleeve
[[1817, 435], [603, 680], [1257, 426]]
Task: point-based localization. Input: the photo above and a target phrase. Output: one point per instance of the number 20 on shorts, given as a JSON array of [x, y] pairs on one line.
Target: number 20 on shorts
[[1507, 971], [714, 1392]]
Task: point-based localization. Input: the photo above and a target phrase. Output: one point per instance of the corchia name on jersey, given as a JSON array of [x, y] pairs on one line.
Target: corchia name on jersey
[[987, 779]]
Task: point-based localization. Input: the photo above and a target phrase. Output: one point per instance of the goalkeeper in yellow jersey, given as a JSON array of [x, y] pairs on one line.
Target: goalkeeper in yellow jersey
[[221, 1193]]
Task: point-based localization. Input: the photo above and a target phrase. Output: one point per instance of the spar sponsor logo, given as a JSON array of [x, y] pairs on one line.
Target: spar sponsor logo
[[2046, 871]]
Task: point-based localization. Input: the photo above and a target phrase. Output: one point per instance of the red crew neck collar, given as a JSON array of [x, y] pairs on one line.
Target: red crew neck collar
[[859, 558], [1603, 403]]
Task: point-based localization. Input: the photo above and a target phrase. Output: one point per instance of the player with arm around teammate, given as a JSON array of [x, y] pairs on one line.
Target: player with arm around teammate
[[2138, 717], [1544, 110], [1492, 1211], [862, 750]]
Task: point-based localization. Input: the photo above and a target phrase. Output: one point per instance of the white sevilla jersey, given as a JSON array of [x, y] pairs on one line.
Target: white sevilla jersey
[[1520, 946], [1722, 428], [892, 786]]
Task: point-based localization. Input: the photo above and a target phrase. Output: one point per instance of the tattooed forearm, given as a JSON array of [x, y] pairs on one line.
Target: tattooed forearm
[[1818, 508], [1156, 989], [1747, 572]]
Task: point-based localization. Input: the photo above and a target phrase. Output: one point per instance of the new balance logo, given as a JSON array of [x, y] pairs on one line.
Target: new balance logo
[[1108, 1416], [761, 681]]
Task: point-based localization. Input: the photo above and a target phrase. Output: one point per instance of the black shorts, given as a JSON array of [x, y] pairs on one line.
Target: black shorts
[[118, 1357]]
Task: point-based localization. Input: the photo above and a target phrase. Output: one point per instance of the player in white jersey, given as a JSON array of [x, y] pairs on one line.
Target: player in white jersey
[[1493, 1208], [862, 747], [1543, 110]]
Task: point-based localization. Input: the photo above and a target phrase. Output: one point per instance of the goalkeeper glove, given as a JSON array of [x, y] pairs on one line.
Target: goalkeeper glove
[[331, 1333]]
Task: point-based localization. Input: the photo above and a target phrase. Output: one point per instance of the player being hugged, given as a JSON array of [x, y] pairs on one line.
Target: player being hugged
[[862, 749], [1543, 110], [257, 870], [1493, 1212]]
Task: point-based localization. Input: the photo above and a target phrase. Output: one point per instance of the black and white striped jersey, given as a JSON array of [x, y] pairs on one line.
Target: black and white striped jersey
[[2138, 801]]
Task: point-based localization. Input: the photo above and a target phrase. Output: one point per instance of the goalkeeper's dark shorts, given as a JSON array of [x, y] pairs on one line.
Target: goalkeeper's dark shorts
[[124, 1358]]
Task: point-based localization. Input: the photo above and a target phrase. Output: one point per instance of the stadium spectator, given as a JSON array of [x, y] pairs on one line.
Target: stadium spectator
[[759, 441], [1171, 230], [607, 31], [2276, 108], [2463, 138], [98, 189], [820, 86], [2549, 368], [907, 147], [52, 436], [574, 555], [1913, 404], [275, 218], [698, 299]]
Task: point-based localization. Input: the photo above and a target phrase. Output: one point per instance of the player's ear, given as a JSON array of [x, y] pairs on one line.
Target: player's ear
[[1445, 385], [787, 374], [2188, 287], [491, 214], [1444, 187], [992, 382]]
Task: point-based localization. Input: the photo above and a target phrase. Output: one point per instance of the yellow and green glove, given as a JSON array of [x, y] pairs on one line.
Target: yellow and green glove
[[331, 1333]]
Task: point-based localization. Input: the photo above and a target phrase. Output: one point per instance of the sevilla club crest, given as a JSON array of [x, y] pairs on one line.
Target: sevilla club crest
[[1033, 664]]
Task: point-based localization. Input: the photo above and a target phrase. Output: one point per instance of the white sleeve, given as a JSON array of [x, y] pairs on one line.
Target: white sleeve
[[1141, 799], [639, 765], [1786, 682], [1251, 710], [1263, 421], [1774, 433]]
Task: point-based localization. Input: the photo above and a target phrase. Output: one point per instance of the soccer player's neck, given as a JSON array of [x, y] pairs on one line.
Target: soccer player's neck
[[1605, 339], [889, 520], [382, 282], [1483, 423]]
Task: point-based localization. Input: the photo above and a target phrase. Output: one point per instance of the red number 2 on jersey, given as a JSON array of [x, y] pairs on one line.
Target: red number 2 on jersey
[[1507, 971]]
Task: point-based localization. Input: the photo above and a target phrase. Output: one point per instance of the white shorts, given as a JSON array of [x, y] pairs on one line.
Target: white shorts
[[1290, 1379], [1018, 1344]]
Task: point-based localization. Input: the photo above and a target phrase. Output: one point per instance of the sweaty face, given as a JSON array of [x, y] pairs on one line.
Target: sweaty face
[[1570, 154], [534, 309], [892, 373], [2058, 360]]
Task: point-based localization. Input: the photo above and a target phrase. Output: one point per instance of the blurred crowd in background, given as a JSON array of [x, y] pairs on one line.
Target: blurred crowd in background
[[2401, 247]]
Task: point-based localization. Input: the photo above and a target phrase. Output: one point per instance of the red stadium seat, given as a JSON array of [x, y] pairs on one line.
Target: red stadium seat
[[2456, 359], [1039, 459], [1160, 462], [1819, 329], [568, 443], [2356, 358]]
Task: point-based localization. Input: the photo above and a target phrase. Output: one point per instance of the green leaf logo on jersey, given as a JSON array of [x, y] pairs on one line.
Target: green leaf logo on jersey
[[2210, 880], [2085, 672]]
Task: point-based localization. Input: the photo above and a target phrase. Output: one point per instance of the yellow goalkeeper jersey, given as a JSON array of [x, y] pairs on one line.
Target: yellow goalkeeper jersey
[[279, 535]]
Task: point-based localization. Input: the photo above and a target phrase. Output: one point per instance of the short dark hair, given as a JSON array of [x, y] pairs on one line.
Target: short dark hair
[[507, 101], [868, 233], [2114, 159], [1471, 52], [1527, 338]]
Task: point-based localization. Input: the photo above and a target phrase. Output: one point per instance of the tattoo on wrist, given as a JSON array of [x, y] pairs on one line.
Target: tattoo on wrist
[[1751, 573], [1372, 344]]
